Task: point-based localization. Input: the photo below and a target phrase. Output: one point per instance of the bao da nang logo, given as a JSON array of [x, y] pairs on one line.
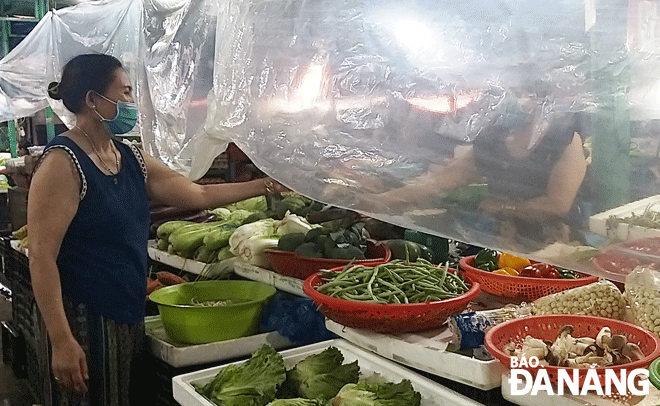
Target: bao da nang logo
[[622, 381]]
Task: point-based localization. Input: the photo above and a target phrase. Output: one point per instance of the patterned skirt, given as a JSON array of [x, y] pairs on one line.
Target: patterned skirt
[[114, 361]]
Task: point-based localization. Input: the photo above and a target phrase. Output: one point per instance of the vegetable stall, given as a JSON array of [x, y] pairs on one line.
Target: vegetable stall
[[424, 242]]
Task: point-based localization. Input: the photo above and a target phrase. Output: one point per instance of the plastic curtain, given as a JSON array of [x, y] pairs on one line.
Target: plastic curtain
[[166, 46], [451, 117], [110, 27]]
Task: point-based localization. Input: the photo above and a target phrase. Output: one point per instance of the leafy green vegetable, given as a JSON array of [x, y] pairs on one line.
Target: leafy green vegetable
[[253, 383], [252, 204], [295, 402], [370, 393], [322, 375]]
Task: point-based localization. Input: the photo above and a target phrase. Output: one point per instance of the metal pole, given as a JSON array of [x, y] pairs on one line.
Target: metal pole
[[610, 123], [50, 124], [11, 126]]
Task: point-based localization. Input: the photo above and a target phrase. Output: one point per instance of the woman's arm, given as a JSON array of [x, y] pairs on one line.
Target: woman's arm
[[169, 187], [565, 180], [52, 203], [462, 171]]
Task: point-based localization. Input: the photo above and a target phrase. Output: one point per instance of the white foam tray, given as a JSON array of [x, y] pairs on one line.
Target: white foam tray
[[184, 264], [433, 394], [623, 232], [180, 355], [545, 399], [426, 351], [281, 282]]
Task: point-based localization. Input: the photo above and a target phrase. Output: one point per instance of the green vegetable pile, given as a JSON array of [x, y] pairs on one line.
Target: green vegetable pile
[[393, 282], [648, 219], [324, 242], [318, 380]]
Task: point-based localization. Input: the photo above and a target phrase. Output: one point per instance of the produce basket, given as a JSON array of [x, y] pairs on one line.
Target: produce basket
[[618, 260], [547, 328], [388, 318], [201, 324], [289, 263], [522, 287]]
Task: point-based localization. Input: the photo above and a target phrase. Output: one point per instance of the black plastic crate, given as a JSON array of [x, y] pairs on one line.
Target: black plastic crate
[[160, 376], [13, 349], [37, 374]]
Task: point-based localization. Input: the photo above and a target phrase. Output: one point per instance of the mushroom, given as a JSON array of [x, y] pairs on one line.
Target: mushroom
[[566, 330], [632, 351], [533, 347], [604, 337], [618, 342]]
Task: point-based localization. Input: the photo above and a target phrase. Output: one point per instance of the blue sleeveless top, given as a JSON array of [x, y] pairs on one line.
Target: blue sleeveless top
[[103, 257]]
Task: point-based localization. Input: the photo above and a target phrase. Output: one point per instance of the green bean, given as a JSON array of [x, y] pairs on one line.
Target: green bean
[[397, 282]]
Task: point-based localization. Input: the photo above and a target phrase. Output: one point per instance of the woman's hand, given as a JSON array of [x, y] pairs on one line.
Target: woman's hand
[[273, 186], [70, 365]]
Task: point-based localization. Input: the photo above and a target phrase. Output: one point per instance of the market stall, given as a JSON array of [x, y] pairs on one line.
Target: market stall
[[525, 127]]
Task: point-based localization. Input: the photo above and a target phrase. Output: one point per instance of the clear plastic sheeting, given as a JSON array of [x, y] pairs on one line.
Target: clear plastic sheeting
[[110, 27], [167, 47], [176, 76], [505, 124]]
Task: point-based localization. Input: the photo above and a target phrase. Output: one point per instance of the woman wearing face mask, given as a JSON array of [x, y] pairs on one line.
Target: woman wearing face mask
[[534, 165], [88, 219]]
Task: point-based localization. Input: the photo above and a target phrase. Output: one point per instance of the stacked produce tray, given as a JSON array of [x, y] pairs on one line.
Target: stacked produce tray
[[542, 398], [182, 355], [432, 393], [598, 222], [427, 352], [281, 282], [175, 261]]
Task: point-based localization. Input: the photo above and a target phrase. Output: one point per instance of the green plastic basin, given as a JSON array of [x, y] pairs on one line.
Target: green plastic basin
[[195, 324]]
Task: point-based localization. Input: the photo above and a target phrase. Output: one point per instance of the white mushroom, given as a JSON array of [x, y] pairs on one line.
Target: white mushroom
[[604, 337], [533, 347]]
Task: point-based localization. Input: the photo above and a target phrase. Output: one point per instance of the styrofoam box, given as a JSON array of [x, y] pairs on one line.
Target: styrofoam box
[[180, 355], [432, 393], [543, 398], [184, 264], [281, 282], [417, 352], [598, 222]]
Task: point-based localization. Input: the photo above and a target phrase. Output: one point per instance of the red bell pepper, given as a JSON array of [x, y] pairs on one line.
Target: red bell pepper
[[540, 270]]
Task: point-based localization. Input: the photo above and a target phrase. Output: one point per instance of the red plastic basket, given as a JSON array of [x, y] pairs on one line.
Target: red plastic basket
[[388, 318], [546, 328], [289, 263], [522, 287]]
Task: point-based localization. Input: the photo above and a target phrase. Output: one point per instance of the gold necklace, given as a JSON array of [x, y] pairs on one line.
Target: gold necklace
[[99, 156]]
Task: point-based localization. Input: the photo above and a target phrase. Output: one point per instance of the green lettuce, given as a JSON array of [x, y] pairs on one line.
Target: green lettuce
[[295, 402], [253, 383], [322, 375], [257, 203], [373, 393]]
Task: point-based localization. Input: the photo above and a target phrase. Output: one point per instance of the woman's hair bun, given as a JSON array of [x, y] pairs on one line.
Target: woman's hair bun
[[54, 91]]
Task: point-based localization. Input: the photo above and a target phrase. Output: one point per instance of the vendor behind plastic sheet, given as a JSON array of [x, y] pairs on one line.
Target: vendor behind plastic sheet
[[534, 164], [88, 219]]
